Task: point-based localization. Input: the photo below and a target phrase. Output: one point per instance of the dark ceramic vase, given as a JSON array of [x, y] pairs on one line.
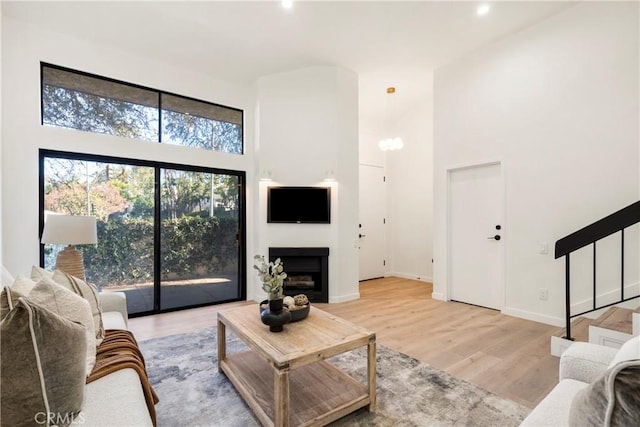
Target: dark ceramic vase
[[274, 316]]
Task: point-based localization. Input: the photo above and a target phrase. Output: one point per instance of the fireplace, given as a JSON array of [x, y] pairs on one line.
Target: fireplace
[[307, 271]]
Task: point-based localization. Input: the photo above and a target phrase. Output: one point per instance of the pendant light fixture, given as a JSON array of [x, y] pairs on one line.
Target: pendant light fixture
[[393, 143]]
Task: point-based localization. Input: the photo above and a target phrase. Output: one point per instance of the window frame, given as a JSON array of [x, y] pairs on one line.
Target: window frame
[[157, 165], [159, 94]]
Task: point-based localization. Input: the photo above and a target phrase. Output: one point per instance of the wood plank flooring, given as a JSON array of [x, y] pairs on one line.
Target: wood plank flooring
[[503, 354]]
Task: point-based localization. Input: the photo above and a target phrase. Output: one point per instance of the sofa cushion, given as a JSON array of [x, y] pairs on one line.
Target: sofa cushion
[[613, 399], [73, 307], [115, 400], [88, 292], [43, 367]]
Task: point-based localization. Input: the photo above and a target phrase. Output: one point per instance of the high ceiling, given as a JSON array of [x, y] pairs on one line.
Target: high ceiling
[[388, 43]]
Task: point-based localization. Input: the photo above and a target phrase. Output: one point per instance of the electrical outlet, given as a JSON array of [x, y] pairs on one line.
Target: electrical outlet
[[543, 294]]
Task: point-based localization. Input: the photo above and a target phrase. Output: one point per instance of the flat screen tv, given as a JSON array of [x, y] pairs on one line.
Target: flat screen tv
[[300, 205]]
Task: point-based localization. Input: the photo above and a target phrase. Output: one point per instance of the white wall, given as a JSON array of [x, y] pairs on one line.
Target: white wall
[[308, 126], [410, 195], [558, 103], [409, 188], [1, 222], [23, 47]]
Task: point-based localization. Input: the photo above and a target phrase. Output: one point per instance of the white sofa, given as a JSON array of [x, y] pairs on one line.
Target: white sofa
[[581, 365], [116, 399]]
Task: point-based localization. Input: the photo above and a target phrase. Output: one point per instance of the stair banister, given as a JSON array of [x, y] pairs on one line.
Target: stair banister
[[588, 235]]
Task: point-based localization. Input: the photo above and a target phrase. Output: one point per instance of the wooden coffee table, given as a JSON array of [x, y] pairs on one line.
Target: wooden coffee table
[[284, 377]]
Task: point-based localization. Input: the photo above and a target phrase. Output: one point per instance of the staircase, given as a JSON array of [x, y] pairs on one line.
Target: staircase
[[615, 325], [611, 328]]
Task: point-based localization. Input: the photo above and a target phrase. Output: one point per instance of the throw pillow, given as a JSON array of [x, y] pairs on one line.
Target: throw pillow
[[8, 299], [611, 400], [65, 303], [630, 350], [42, 358], [88, 292], [23, 284], [38, 273]]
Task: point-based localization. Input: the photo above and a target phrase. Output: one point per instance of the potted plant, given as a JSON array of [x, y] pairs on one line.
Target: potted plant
[[272, 276]]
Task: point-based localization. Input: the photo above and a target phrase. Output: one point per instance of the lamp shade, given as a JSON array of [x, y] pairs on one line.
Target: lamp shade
[[70, 230]]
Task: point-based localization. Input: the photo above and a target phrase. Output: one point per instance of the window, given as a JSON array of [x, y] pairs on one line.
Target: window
[[168, 235], [76, 100]]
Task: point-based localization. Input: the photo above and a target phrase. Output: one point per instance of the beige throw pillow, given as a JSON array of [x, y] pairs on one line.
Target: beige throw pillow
[[23, 284], [38, 273], [65, 303], [88, 292], [42, 359]]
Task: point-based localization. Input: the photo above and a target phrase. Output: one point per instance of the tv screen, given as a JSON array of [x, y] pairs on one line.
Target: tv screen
[[311, 205]]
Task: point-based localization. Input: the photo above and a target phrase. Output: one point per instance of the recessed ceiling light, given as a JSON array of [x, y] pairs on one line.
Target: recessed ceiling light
[[483, 9], [287, 4]]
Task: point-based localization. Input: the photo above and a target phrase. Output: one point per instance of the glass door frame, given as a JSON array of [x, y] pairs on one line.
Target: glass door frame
[[241, 233]]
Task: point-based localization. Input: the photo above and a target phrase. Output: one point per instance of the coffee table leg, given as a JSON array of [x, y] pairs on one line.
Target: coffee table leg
[[222, 343], [281, 397], [371, 373]]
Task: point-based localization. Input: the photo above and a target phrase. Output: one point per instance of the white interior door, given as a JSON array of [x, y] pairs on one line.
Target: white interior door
[[476, 235], [372, 213]]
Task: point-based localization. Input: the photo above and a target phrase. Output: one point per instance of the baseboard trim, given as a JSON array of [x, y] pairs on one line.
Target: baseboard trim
[[536, 317], [344, 298], [606, 298], [409, 276], [439, 296]]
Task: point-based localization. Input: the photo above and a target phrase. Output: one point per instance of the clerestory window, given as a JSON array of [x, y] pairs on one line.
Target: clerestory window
[[90, 103]]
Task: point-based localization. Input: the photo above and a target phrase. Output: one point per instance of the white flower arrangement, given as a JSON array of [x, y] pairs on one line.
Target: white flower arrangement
[[272, 275]]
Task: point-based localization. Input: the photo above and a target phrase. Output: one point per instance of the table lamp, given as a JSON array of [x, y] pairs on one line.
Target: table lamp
[[70, 230]]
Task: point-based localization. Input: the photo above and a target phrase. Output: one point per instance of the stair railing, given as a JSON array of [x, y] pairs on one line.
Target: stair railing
[[589, 235]]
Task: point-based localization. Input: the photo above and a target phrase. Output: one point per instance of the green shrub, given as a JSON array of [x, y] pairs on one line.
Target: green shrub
[[191, 247]]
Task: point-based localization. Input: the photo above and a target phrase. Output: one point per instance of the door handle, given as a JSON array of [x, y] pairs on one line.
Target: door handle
[[362, 235], [496, 237]]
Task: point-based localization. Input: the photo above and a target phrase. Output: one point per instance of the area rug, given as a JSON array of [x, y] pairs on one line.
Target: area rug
[[183, 370]]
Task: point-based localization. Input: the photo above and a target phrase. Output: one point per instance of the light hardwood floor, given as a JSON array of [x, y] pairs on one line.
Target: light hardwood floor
[[503, 354]]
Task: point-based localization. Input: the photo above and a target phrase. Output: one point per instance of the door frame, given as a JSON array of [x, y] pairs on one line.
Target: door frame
[[384, 248], [449, 225], [158, 165]]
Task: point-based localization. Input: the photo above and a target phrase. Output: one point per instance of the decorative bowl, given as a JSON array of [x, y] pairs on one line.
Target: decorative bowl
[[300, 313], [296, 315]]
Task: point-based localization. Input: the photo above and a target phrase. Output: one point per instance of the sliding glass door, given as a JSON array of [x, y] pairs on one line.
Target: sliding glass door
[[199, 238], [168, 235]]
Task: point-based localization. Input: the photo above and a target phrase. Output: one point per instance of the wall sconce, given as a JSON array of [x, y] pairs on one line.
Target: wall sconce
[[266, 175], [330, 176], [70, 230]]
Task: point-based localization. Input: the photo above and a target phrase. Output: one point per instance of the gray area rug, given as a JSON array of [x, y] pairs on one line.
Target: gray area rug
[[183, 370]]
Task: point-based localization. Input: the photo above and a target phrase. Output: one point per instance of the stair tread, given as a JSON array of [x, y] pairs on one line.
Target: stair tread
[[615, 318]]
